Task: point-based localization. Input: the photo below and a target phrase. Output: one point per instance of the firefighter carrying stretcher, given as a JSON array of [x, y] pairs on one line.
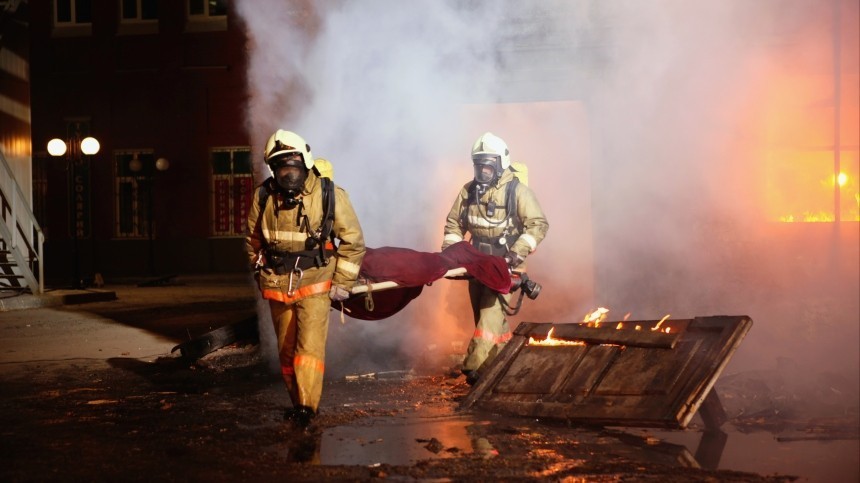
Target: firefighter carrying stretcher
[[294, 221], [504, 218]]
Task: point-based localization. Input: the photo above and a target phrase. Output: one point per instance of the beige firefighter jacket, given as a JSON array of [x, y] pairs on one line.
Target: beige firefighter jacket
[[282, 228], [527, 229]]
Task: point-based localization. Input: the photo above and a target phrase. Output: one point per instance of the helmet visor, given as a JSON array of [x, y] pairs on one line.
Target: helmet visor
[[288, 159]]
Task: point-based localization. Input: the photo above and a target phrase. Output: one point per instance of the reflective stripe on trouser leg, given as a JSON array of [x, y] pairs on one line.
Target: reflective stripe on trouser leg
[[309, 360], [491, 326], [284, 320]]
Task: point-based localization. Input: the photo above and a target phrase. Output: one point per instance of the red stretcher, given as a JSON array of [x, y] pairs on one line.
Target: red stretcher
[[392, 277]]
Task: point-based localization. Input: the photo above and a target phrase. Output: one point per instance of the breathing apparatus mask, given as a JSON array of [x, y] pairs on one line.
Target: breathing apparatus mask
[[488, 169], [290, 174]]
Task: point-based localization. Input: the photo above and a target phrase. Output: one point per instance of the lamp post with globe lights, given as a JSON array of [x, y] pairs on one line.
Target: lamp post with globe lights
[[74, 150]]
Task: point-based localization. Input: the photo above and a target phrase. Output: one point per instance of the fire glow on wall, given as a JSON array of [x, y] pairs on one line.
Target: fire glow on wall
[[813, 124]]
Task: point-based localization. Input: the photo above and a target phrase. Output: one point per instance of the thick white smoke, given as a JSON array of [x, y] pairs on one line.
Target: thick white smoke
[[663, 112], [376, 92], [376, 87]]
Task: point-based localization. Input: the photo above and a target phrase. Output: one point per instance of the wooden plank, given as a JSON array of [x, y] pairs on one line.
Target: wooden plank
[[539, 408], [591, 370], [532, 372], [496, 369], [734, 331], [642, 371], [633, 371], [645, 379], [608, 335]]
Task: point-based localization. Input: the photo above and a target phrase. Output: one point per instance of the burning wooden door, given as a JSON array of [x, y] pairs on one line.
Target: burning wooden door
[[608, 375]]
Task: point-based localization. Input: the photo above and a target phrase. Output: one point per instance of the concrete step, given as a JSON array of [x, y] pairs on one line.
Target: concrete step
[[10, 300]]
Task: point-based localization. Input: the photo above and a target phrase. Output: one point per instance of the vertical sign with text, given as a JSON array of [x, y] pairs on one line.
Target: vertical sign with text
[[79, 178], [79, 184], [222, 205], [243, 187]]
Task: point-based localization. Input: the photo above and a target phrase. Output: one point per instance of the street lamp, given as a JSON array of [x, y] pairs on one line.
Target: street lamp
[[77, 187], [136, 166]]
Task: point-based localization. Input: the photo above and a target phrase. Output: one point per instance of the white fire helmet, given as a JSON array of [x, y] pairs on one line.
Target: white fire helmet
[[491, 145], [286, 142]]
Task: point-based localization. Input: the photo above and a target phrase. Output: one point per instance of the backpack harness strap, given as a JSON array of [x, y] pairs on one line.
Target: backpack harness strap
[[317, 244], [494, 245]]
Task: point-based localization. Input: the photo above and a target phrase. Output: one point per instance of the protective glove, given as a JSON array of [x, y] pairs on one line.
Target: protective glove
[[338, 293], [513, 259]]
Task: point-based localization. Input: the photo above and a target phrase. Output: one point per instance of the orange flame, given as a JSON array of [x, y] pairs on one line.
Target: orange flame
[[657, 327], [595, 318], [550, 341]]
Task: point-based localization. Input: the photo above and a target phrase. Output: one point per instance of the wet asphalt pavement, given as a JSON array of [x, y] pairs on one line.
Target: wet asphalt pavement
[[92, 392]]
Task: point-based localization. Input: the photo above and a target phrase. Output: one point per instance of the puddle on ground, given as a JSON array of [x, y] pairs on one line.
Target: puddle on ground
[[402, 442], [406, 441], [813, 461]]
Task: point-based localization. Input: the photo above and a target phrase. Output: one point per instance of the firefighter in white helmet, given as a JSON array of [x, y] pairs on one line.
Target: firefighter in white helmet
[[504, 218], [306, 245]]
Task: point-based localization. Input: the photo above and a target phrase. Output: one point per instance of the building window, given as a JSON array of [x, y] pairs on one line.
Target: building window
[[134, 174], [201, 9], [72, 17], [232, 190], [72, 12], [138, 17], [207, 15], [138, 10]]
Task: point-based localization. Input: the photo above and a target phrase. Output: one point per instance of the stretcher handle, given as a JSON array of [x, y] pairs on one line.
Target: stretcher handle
[[357, 289]]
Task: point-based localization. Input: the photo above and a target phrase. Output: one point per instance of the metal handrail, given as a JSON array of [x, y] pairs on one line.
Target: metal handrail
[[11, 228]]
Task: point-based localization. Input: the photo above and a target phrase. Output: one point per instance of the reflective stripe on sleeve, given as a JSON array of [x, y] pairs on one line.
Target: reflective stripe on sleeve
[[452, 238], [348, 268], [530, 240]]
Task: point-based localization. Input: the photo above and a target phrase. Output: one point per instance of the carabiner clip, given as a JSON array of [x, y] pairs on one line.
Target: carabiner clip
[[291, 288]]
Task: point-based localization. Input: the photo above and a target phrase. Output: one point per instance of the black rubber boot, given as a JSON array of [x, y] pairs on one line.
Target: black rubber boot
[[471, 376], [301, 417], [289, 413]]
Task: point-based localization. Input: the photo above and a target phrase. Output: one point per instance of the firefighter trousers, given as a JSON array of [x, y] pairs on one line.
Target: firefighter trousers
[[491, 326], [302, 329]]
